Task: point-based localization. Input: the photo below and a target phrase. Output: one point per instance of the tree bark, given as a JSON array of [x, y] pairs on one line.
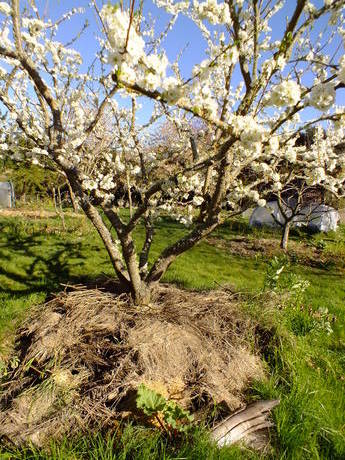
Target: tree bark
[[285, 236], [144, 255], [139, 288], [72, 196]]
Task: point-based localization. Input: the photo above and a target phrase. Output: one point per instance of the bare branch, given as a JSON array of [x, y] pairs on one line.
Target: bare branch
[[101, 109]]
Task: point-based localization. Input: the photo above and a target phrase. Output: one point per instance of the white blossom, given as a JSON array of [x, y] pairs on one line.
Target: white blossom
[[341, 72], [323, 96], [5, 8], [197, 200], [118, 22], [287, 93]]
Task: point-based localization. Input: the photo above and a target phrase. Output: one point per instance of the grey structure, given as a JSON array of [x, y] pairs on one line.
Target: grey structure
[[317, 217], [6, 195]]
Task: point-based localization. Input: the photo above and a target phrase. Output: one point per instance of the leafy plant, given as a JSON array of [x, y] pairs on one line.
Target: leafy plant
[[149, 401], [304, 320], [324, 320], [274, 270], [12, 364], [171, 417], [321, 245], [296, 286]]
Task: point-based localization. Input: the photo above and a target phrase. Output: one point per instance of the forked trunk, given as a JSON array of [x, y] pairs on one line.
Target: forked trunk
[[285, 237]]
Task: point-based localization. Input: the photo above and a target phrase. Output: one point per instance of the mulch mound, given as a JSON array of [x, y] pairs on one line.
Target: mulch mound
[[82, 356]]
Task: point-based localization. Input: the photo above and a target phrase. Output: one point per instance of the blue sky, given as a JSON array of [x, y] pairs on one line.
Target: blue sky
[[184, 32]]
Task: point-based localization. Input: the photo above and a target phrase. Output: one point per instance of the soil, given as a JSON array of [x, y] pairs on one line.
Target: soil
[[267, 248]]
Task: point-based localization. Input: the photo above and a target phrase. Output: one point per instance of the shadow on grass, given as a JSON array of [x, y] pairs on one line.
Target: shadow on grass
[[30, 265]]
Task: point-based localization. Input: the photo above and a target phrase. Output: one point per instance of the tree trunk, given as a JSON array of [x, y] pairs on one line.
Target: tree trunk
[[59, 196], [140, 289], [285, 237], [54, 199], [59, 212], [72, 196], [142, 294]]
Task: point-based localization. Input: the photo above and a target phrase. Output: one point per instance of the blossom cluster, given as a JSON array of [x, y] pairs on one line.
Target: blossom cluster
[[212, 11], [127, 50], [287, 93], [5, 8], [255, 117], [323, 96]]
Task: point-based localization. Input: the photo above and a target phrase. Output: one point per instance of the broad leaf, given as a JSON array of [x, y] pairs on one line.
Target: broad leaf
[[149, 401]]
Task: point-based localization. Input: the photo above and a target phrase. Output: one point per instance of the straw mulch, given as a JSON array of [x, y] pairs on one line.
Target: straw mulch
[[83, 355]]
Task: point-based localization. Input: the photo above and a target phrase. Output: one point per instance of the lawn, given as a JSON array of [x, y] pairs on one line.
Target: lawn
[[305, 353]]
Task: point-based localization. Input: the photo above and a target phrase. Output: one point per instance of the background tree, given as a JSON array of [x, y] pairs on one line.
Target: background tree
[[302, 188], [33, 181]]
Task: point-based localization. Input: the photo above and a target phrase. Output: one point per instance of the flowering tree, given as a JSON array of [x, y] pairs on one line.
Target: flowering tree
[[297, 203], [298, 200], [254, 91]]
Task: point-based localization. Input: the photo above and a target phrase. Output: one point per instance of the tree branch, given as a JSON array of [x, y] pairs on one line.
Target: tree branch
[[16, 26], [43, 89], [170, 253], [156, 95], [101, 110]]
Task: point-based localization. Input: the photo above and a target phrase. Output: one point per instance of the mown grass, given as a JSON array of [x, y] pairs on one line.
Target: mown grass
[[306, 362]]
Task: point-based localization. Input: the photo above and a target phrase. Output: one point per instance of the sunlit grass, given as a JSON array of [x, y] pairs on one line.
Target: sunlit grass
[[134, 443], [307, 366]]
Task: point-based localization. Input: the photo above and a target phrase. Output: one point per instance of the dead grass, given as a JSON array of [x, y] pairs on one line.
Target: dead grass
[[83, 354], [34, 213]]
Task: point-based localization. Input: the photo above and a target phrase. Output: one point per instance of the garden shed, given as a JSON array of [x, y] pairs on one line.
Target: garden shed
[[7, 199]]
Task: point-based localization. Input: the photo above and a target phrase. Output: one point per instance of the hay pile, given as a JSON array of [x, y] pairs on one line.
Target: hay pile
[[83, 355]]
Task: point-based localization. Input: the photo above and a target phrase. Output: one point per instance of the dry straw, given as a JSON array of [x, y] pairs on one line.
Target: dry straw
[[83, 355]]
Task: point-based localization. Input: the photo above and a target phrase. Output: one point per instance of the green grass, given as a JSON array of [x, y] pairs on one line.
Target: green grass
[[134, 443], [307, 365]]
